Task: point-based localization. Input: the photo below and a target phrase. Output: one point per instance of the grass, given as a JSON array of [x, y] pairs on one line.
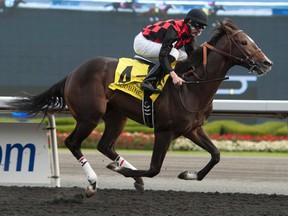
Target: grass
[[67, 124]]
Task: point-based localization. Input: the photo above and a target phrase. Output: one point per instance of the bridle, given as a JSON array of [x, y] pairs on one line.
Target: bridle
[[207, 46], [247, 60]]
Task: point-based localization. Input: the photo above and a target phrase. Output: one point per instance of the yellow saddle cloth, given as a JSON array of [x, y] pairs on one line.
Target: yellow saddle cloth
[[129, 75]]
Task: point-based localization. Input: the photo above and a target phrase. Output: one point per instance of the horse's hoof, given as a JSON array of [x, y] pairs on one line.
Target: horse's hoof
[[91, 190], [113, 166], [188, 175], [139, 187], [139, 184], [139, 180]]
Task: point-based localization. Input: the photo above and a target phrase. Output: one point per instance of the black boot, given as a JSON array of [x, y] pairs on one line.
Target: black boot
[[150, 82]]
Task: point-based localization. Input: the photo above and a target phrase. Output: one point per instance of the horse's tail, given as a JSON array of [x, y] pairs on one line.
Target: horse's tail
[[50, 101]]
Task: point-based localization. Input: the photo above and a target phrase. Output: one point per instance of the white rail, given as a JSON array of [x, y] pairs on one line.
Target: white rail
[[251, 108], [243, 108]]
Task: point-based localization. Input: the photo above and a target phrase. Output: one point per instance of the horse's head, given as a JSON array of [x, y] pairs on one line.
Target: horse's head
[[169, 6], [165, 9], [244, 50], [218, 7]]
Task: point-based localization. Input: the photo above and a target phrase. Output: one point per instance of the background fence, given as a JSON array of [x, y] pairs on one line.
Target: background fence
[[39, 47]]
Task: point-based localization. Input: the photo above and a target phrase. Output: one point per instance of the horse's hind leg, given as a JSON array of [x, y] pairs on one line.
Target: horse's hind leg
[[114, 125], [73, 143]]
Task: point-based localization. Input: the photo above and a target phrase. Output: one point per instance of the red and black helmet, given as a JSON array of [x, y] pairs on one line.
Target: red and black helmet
[[197, 16]]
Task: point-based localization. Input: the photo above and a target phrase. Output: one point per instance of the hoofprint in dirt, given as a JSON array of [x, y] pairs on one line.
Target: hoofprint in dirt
[[72, 201]]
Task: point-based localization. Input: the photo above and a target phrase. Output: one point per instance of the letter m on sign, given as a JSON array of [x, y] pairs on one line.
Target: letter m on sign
[[20, 148]]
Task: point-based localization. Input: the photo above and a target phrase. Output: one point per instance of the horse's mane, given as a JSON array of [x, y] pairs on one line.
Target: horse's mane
[[196, 57]]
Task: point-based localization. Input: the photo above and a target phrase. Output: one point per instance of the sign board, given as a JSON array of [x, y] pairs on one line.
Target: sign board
[[24, 156]]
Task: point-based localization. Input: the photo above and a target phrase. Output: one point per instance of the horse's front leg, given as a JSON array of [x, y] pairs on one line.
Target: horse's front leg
[[200, 138], [161, 145]]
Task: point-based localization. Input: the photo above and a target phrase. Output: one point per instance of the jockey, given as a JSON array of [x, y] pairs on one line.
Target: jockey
[[164, 40]]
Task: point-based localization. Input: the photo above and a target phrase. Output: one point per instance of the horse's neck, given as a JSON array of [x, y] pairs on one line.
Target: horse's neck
[[200, 95], [218, 64], [167, 8]]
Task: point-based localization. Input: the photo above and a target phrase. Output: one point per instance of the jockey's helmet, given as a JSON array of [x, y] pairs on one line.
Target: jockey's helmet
[[198, 17]]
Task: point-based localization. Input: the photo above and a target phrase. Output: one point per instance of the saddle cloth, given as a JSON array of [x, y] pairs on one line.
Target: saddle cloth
[[129, 75]]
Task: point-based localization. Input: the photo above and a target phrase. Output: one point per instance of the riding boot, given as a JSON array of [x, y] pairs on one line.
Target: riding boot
[[151, 81]]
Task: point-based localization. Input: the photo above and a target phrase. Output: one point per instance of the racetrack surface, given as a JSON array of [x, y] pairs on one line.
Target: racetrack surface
[[236, 186], [39, 201]]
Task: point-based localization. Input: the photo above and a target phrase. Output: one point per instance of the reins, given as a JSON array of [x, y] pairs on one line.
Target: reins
[[206, 45], [247, 60], [205, 81]]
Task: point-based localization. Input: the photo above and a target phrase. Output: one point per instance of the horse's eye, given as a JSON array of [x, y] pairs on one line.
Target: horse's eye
[[244, 42]]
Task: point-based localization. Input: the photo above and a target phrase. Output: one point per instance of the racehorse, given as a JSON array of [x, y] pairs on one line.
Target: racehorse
[[155, 13], [121, 5], [4, 4], [179, 110], [213, 11]]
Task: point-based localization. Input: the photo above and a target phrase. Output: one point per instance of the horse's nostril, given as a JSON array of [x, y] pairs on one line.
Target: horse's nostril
[[268, 63]]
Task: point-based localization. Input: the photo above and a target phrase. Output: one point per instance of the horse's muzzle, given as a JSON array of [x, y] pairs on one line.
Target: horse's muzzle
[[262, 68]]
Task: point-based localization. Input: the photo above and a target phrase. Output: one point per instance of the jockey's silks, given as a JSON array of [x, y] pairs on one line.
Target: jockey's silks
[[157, 31]]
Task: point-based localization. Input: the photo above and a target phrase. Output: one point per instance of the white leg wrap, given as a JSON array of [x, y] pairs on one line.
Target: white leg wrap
[[91, 175], [121, 162]]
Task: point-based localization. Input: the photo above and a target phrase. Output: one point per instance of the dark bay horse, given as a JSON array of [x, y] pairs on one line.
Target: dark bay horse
[[155, 13], [179, 111], [121, 5]]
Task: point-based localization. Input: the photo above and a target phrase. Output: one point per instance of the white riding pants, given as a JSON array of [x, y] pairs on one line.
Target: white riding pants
[[150, 49]]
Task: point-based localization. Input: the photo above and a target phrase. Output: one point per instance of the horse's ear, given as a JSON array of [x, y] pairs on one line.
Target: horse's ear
[[227, 24], [227, 21]]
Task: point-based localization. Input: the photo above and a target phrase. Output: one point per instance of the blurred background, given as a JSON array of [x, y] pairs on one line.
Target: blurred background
[[43, 41]]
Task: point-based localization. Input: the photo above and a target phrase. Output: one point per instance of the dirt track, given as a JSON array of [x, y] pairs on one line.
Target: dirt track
[[164, 195], [70, 201]]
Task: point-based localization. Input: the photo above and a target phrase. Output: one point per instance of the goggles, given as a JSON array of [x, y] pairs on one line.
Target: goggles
[[197, 25]]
